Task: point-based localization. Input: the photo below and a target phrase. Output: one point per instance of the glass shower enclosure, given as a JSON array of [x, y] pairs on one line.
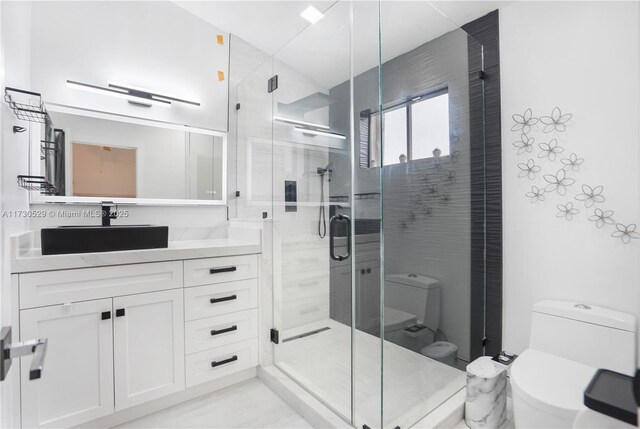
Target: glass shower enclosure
[[361, 145]]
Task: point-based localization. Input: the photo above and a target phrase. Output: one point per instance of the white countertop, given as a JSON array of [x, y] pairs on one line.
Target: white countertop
[[33, 260]]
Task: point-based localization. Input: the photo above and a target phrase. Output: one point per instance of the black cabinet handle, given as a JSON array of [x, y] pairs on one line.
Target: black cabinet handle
[[368, 270], [226, 298], [222, 270], [362, 271], [106, 315], [222, 362], [120, 312], [222, 331]]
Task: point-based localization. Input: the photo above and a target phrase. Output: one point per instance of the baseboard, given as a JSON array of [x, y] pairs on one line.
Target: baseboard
[[142, 410], [308, 406]]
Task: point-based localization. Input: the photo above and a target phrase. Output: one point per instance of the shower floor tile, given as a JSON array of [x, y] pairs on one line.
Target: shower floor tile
[[413, 384]]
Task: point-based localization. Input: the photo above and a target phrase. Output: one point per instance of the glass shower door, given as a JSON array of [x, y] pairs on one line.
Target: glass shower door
[[311, 209], [361, 144], [431, 157]]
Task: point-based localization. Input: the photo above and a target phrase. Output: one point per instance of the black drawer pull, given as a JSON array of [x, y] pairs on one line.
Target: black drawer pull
[[222, 270], [222, 362], [119, 312], [226, 298], [106, 315], [222, 331]]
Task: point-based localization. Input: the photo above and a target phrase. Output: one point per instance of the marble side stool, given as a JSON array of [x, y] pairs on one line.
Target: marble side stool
[[486, 403]]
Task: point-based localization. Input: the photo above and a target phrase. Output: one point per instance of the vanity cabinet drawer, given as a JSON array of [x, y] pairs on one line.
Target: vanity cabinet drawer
[[215, 363], [65, 286], [218, 331], [218, 270], [218, 299]]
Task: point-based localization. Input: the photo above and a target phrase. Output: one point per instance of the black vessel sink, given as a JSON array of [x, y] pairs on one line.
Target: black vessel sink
[[89, 238]]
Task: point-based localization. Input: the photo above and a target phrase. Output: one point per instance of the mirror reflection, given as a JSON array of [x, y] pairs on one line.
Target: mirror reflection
[[86, 156]]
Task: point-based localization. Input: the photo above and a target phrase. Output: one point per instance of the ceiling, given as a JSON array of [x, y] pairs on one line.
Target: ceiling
[[321, 51], [267, 25]]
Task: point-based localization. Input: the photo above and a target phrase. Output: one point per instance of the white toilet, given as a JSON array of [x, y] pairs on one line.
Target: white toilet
[[410, 300], [568, 343]]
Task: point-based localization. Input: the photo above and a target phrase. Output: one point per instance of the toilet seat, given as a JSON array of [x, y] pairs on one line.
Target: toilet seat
[[549, 383], [395, 319]]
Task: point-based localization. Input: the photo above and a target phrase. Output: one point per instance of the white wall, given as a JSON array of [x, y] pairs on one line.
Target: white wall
[[14, 149], [582, 57], [155, 45]]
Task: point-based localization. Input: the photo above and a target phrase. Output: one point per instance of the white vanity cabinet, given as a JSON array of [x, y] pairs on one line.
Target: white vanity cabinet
[[148, 346], [125, 335], [77, 382], [221, 300]]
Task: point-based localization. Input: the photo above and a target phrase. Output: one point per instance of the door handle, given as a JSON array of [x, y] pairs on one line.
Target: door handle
[[38, 348], [332, 222]]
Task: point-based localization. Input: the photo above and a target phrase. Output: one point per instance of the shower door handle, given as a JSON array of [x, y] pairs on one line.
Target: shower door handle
[[334, 220]]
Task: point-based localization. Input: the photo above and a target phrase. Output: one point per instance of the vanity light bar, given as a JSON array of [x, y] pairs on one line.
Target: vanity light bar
[[136, 99], [154, 96], [320, 133], [133, 95], [298, 122]]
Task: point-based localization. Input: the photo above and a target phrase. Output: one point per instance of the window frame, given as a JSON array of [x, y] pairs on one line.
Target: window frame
[[408, 103]]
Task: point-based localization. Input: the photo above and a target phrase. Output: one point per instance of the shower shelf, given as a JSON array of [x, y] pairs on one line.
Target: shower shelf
[[36, 183], [47, 146], [26, 105]]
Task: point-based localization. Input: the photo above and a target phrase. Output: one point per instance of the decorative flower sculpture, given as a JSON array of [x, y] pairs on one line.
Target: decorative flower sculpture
[[567, 211], [626, 233], [536, 194], [524, 122], [431, 190], [449, 176], [573, 162], [445, 198], [558, 182], [591, 196], [530, 169], [602, 217], [550, 150], [555, 122], [525, 144]]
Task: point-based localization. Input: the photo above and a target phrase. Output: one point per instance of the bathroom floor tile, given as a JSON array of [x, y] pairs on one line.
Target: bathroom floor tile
[[247, 405]]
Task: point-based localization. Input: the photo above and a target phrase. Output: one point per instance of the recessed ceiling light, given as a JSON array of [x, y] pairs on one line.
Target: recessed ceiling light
[[312, 14]]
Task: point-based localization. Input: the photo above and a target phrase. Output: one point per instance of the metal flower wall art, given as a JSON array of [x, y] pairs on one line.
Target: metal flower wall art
[[556, 173], [433, 188]]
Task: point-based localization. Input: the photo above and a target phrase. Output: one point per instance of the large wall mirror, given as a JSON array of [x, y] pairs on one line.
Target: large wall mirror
[[92, 157]]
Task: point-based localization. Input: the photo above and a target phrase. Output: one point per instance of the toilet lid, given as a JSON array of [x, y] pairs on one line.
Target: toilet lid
[[550, 383], [395, 319]]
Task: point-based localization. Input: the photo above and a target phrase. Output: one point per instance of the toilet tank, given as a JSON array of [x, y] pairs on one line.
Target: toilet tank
[[414, 294], [592, 335]]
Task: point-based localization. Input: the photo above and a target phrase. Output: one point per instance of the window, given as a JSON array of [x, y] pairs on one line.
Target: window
[[413, 130]]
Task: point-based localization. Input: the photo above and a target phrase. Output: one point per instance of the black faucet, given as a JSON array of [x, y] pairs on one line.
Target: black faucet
[[107, 214]]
